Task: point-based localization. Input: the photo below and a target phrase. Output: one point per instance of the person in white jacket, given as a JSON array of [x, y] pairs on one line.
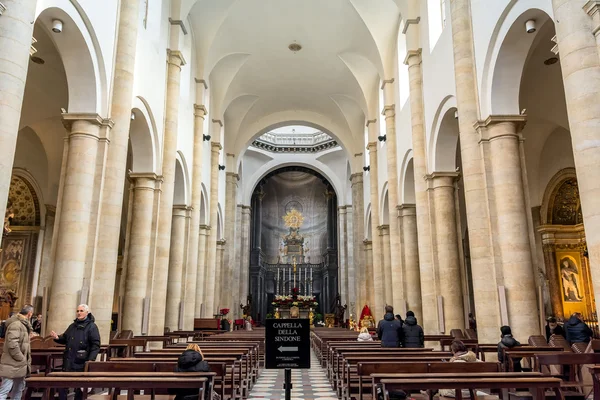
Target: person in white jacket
[[364, 335]]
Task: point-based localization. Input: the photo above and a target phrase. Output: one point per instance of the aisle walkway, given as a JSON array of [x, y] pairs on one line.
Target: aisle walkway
[[307, 384]]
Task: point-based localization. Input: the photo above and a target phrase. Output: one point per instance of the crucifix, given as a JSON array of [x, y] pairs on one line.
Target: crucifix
[[294, 264]]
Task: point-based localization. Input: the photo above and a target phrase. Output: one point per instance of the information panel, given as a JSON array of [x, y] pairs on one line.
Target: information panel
[[287, 343]]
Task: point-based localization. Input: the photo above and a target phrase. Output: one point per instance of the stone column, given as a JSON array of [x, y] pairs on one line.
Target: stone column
[[331, 226], [161, 269], [193, 276], [140, 240], [581, 76], [358, 216], [410, 252], [109, 219], [343, 282], [448, 260], [384, 235], [74, 219], [512, 230], [47, 266], [176, 254], [237, 262], [368, 249], [377, 277], [245, 263], [16, 29], [211, 244], [228, 281], [428, 287], [350, 262], [219, 292], [487, 306], [201, 277]]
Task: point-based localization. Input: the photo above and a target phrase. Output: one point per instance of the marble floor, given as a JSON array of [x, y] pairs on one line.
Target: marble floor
[[307, 384]]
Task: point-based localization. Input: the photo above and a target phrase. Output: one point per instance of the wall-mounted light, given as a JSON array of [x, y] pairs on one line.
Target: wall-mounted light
[[221, 167], [382, 138], [455, 114], [367, 168], [133, 116], [206, 138], [57, 26], [530, 26]]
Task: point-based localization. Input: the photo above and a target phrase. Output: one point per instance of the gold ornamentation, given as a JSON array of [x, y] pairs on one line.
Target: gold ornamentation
[[293, 219], [566, 207]]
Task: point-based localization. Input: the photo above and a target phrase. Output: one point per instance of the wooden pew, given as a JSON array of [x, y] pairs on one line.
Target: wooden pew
[[49, 384], [524, 352], [575, 362]]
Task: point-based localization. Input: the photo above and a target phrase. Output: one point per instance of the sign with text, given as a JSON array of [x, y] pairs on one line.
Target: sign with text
[[287, 343]]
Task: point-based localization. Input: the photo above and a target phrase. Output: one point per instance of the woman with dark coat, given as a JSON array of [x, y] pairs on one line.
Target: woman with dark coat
[[191, 360], [413, 336]]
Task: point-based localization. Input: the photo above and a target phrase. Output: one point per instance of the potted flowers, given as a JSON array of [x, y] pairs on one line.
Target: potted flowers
[[225, 323]]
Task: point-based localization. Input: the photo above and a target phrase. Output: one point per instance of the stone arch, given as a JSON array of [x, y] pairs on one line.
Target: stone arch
[[384, 206], [204, 206], [507, 54], [220, 228], [368, 230], [81, 56], [407, 183], [143, 137], [444, 140], [561, 204], [25, 199], [181, 194]]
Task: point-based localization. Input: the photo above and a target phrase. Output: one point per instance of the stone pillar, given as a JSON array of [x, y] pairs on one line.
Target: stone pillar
[[368, 249], [237, 262], [377, 277], [176, 255], [140, 240], [161, 269], [74, 219], [47, 266], [228, 281], [448, 278], [211, 244], [331, 211], [245, 252], [581, 75], [16, 29], [384, 235], [487, 306], [410, 244], [358, 216], [428, 289], [219, 292], [107, 240], [503, 133], [343, 283], [350, 262], [201, 277], [193, 275]]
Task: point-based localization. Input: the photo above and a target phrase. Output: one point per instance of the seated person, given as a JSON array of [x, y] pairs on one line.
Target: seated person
[[460, 354], [364, 335], [191, 360], [553, 328], [508, 342], [248, 323], [577, 330]]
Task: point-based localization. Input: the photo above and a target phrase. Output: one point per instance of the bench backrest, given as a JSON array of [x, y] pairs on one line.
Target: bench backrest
[[568, 358]]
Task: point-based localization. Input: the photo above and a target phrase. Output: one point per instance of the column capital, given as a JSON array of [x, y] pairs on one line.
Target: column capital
[[143, 175], [202, 82], [406, 210], [143, 180], [485, 127], [200, 110], [221, 242], [180, 210], [175, 57], [389, 111], [50, 210], [204, 227], [367, 243], [69, 118], [246, 208], [371, 121], [384, 229], [217, 121], [232, 175], [372, 147], [216, 147], [413, 57], [409, 22], [356, 178], [442, 179], [180, 23]]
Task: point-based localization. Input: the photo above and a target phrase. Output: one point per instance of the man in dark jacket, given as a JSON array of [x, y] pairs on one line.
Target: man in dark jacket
[[389, 329], [413, 336], [508, 342], [553, 328], [577, 330], [82, 341]]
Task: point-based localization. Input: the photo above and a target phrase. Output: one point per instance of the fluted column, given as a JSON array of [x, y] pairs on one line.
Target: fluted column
[[428, 287], [378, 284], [211, 244], [368, 249], [245, 252], [512, 236], [581, 76], [176, 256], [16, 29], [74, 219], [192, 279], [109, 220], [358, 216], [410, 258], [384, 237], [487, 306], [161, 269], [448, 260], [201, 277], [140, 240]]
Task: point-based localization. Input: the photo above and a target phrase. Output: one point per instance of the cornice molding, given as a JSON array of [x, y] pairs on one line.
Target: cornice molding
[[201, 81], [371, 121], [217, 121], [409, 22], [413, 53], [200, 110], [177, 55], [390, 107], [96, 119], [146, 175], [180, 23], [385, 82], [519, 120]]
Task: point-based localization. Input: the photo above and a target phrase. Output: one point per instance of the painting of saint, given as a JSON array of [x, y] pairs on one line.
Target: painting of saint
[[569, 274]]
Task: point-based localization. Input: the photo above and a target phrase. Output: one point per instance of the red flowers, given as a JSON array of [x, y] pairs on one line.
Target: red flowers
[[224, 311]]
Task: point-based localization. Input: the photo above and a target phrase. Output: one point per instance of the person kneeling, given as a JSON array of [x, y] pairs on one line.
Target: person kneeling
[[191, 360]]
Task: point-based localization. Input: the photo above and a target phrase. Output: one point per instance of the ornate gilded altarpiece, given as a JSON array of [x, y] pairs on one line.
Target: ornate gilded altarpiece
[[565, 249]]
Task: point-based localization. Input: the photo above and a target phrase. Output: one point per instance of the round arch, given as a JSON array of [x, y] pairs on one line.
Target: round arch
[[143, 136], [181, 195], [407, 180], [444, 140], [81, 55], [507, 54]]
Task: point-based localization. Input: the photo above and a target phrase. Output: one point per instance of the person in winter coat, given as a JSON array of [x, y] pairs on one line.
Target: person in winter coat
[[364, 335], [577, 330], [459, 354], [553, 328], [82, 343], [191, 360], [508, 342], [15, 364], [413, 336], [389, 329]]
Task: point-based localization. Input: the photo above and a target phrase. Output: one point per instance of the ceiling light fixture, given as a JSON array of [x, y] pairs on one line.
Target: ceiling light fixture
[[530, 26], [295, 47], [57, 26], [37, 60]]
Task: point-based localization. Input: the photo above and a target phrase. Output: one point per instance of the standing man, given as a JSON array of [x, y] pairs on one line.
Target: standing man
[[15, 363], [82, 341], [36, 324], [389, 329]]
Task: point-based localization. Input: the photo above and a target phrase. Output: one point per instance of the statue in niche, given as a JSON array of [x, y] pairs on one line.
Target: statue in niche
[[340, 311], [247, 309], [8, 217], [570, 280]]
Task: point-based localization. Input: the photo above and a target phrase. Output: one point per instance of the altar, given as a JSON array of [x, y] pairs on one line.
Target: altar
[[290, 312]]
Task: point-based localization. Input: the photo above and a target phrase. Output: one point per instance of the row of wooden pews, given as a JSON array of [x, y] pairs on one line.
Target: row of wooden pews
[[356, 369]]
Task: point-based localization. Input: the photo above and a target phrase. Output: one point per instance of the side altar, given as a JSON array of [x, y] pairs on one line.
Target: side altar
[[295, 306]]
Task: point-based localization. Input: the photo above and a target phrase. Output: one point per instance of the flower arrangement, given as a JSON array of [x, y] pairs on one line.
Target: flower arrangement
[[298, 301], [224, 311]]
